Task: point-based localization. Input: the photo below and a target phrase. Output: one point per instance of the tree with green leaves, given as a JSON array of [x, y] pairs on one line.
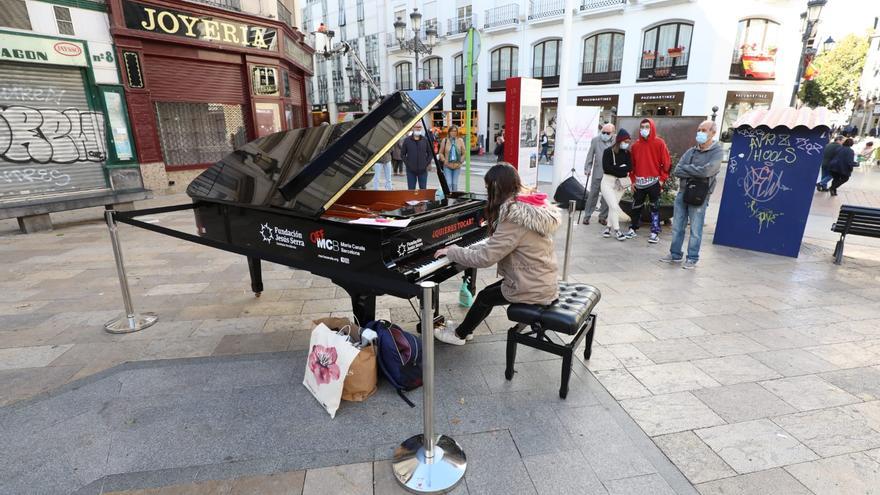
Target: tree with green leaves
[[839, 72]]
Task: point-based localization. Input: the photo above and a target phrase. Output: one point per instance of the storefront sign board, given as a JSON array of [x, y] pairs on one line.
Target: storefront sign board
[[30, 49]]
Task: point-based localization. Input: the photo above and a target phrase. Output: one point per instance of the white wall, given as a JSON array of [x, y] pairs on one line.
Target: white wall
[[89, 25]]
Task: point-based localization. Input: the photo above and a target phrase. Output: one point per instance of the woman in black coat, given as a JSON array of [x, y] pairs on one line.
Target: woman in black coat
[[841, 165]]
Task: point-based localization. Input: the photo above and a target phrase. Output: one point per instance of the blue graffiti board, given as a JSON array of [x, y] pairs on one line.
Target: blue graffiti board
[[768, 188]]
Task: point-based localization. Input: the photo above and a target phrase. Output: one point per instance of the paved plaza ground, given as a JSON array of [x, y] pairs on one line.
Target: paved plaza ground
[[754, 374]]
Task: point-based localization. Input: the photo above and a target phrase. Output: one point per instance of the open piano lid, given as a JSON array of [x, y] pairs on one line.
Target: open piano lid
[[307, 170]]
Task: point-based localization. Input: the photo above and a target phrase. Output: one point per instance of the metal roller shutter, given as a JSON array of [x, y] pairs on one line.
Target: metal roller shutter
[[172, 79], [50, 141]]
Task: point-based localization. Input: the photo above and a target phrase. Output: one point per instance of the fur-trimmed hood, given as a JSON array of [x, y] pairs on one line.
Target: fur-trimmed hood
[[532, 211]]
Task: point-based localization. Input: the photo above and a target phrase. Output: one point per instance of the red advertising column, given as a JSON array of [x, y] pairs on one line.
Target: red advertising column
[[522, 110]]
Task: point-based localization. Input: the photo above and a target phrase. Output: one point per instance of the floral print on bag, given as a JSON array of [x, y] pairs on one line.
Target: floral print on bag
[[322, 362]]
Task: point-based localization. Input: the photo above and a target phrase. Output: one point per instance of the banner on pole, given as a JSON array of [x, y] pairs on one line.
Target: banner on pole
[[521, 127], [573, 136]]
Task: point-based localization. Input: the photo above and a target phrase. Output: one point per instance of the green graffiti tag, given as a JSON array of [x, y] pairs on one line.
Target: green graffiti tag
[[765, 216]]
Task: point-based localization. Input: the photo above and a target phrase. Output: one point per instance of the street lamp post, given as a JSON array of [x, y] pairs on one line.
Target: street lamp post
[[415, 44], [809, 20]]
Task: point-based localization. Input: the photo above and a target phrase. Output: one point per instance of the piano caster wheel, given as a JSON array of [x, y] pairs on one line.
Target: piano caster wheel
[[257, 294]]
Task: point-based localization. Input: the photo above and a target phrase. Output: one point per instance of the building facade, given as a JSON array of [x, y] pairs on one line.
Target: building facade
[[202, 78], [630, 57], [65, 138], [866, 115]]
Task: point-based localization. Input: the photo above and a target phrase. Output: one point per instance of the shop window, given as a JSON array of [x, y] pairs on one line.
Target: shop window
[[603, 57], [403, 76], [63, 20], [432, 69], [199, 133], [545, 62], [265, 81], [504, 62], [754, 54], [665, 52], [14, 14], [132, 64]]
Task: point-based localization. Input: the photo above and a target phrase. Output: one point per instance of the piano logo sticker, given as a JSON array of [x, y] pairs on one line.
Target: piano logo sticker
[[292, 239], [412, 246], [322, 242]]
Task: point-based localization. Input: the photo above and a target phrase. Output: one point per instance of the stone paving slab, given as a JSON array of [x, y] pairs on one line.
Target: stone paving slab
[[189, 424]]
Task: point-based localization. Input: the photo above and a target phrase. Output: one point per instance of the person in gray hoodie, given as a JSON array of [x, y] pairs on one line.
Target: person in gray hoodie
[[593, 169], [703, 161]]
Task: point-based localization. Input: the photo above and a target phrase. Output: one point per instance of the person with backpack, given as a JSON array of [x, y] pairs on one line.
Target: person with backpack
[[616, 165], [545, 147], [521, 227], [451, 155], [499, 145], [651, 163], [696, 172], [841, 166]]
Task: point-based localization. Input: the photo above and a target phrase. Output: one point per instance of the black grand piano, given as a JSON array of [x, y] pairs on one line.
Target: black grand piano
[[296, 198]]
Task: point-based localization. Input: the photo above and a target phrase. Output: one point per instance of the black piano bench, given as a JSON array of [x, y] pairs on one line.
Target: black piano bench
[[571, 314]]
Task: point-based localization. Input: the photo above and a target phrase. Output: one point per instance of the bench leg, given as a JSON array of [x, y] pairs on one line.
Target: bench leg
[[588, 341], [838, 251], [511, 351], [566, 373]]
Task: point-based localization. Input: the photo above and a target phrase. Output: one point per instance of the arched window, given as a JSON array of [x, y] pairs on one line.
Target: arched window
[[666, 52], [754, 53], [403, 76], [545, 61], [603, 56], [458, 64], [432, 69], [504, 65]]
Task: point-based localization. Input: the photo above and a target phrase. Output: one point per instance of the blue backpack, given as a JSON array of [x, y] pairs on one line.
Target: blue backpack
[[399, 356]]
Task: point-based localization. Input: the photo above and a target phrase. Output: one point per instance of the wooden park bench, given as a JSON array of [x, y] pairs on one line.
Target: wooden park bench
[[855, 220]]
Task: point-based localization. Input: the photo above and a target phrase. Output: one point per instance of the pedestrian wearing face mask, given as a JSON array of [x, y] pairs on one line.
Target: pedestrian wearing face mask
[[651, 163], [593, 169], [616, 163], [700, 163], [417, 157]]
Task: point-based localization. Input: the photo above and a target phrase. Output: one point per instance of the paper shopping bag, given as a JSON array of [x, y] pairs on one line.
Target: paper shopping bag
[[329, 359], [360, 383]]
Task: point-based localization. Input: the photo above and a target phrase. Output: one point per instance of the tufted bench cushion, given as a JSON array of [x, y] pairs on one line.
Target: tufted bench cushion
[[566, 315]]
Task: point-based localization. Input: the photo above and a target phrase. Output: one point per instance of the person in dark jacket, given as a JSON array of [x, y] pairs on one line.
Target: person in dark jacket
[[703, 161], [830, 150], [416, 154], [616, 165], [841, 165], [396, 158]]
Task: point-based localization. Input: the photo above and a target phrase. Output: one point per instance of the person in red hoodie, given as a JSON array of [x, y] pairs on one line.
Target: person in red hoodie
[[651, 164]]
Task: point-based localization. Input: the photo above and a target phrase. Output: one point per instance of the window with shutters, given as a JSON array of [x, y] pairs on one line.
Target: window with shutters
[[63, 20], [14, 14]]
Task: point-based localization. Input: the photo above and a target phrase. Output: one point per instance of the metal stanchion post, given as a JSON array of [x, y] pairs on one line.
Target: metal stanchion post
[[130, 321], [427, 463], [571, 207]]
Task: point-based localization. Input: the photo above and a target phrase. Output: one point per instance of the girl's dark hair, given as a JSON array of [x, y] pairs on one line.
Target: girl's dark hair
[[502, 184], [848, 142]]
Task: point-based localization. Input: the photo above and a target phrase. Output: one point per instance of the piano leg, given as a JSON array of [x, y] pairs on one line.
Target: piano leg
[[363, 306], [256, 275]]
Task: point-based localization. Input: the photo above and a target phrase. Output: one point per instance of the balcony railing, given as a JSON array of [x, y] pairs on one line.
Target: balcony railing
[[284, 15], [549, 74], [403, 86], [223, 4], [505, 15], [498, 78], [760, 65], [605, 71], [592, 6], [662, 66], [545, 9], [460, 25], [391, 41]]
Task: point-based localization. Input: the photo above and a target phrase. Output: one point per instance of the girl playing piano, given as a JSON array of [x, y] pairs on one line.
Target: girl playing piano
[[521, 227]]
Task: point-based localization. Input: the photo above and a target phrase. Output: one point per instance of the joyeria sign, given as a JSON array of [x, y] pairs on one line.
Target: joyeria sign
[[154, 19]]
